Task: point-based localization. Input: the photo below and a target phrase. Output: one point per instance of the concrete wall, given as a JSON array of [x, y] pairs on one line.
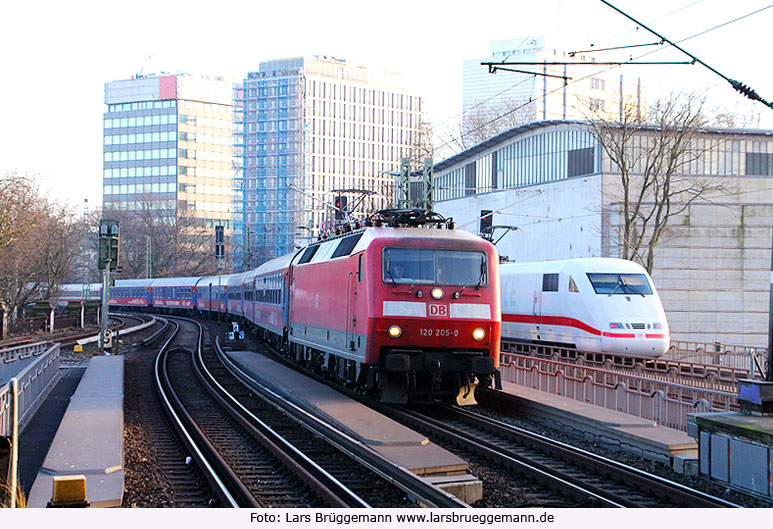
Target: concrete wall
[[713, 267]]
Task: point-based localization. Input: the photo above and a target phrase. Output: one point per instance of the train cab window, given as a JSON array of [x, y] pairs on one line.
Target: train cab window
[[429, 266], [620, 284], [408, 265], [573, 285], [550, 282], [461, 268]]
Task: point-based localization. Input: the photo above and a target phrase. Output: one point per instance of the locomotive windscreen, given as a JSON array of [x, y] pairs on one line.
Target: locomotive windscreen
[[620, 284], [437, 267]]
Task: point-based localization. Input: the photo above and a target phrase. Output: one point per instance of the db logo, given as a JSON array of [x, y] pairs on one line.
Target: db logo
[[439, 311]]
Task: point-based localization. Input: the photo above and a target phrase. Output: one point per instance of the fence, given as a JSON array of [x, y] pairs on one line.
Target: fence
[[719, 354], [664, 402], [34, 383]]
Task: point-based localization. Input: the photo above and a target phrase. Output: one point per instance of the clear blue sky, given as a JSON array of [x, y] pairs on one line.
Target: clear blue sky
[[58, 55]]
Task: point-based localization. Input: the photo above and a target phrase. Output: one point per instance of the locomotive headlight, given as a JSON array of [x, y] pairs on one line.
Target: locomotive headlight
[[437, 293], [478, 334], [657, 325], [394, 331], [616, 326]]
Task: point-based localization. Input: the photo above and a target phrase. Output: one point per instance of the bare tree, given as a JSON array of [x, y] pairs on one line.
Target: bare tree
[[485, 120], [651, 157], [39, 242], [180, 245]]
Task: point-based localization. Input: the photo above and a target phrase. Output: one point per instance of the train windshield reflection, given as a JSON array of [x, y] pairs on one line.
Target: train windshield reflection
[[438, 267], [620, 284]]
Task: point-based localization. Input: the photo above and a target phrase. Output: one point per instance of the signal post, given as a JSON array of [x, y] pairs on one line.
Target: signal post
[[107, 261]]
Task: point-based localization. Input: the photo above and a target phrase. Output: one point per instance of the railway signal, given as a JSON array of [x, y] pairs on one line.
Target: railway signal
[[109, 237]]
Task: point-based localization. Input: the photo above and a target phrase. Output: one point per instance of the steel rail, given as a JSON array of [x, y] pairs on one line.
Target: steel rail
[[182, 425], [655, 485], [335, 493], [414, 486]]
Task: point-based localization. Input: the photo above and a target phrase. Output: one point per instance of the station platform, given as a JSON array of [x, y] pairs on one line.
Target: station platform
[[736, 449], [402, 446], [89, 440], [395, 442], [610, 428]]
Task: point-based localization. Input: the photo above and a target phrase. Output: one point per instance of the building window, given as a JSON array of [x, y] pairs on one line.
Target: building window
[[597, 84], [596, 104], [759, 163], [579, 162]]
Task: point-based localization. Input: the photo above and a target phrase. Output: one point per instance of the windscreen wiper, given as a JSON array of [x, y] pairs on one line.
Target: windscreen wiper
[[631, 287], [482, 274], [389, 272]]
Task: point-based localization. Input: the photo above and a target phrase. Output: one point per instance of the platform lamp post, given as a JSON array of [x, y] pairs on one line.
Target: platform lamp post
[[219, 254]]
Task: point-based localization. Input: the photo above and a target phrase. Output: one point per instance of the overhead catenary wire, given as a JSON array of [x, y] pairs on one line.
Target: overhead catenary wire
[[577, 80], [737, 85]]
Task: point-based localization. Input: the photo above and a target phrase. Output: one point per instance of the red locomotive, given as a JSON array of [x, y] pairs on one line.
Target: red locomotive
[[406, 307]]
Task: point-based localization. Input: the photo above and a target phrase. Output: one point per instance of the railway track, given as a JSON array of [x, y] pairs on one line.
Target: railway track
[[579, 474], [270, 460]]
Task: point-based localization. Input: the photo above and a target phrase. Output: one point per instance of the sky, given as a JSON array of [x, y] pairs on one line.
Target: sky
[[56, 56]]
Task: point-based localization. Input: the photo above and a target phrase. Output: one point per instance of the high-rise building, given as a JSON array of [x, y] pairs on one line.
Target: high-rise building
[[545, 97], [167, 147], [311, 127]]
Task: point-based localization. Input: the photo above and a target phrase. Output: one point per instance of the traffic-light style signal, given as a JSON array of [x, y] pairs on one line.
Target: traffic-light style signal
[[109, 241], [219, 243], [340, 205]]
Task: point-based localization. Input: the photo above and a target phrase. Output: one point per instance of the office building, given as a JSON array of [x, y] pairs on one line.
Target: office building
[[312, 128], [168, 146]]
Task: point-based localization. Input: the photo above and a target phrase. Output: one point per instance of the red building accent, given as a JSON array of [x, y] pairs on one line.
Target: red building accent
[[167, 87]]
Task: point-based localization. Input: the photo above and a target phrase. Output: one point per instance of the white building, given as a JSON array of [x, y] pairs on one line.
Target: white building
[[553, 182]]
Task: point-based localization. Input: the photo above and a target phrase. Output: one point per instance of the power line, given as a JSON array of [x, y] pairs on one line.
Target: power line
[[466, 133], [737, 85]]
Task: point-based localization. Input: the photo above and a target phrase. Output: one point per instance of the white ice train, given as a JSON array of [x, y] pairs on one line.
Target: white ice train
[[594, 304]]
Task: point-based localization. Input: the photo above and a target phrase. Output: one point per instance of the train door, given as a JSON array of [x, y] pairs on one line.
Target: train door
[[351, 286], [536, 310]]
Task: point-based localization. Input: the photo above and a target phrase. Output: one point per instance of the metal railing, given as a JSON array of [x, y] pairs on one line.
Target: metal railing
[[34, 383], [718, 354], [664, 402], [20, 352]]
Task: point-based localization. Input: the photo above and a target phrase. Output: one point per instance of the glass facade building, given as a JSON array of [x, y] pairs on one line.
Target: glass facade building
[[168, 147], [309, 127]]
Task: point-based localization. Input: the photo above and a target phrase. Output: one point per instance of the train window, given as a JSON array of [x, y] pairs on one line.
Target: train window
[[620, 284], [346, 245], [408, 265], [573, 285], [461, 268], [308, 254], [550, 282]]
